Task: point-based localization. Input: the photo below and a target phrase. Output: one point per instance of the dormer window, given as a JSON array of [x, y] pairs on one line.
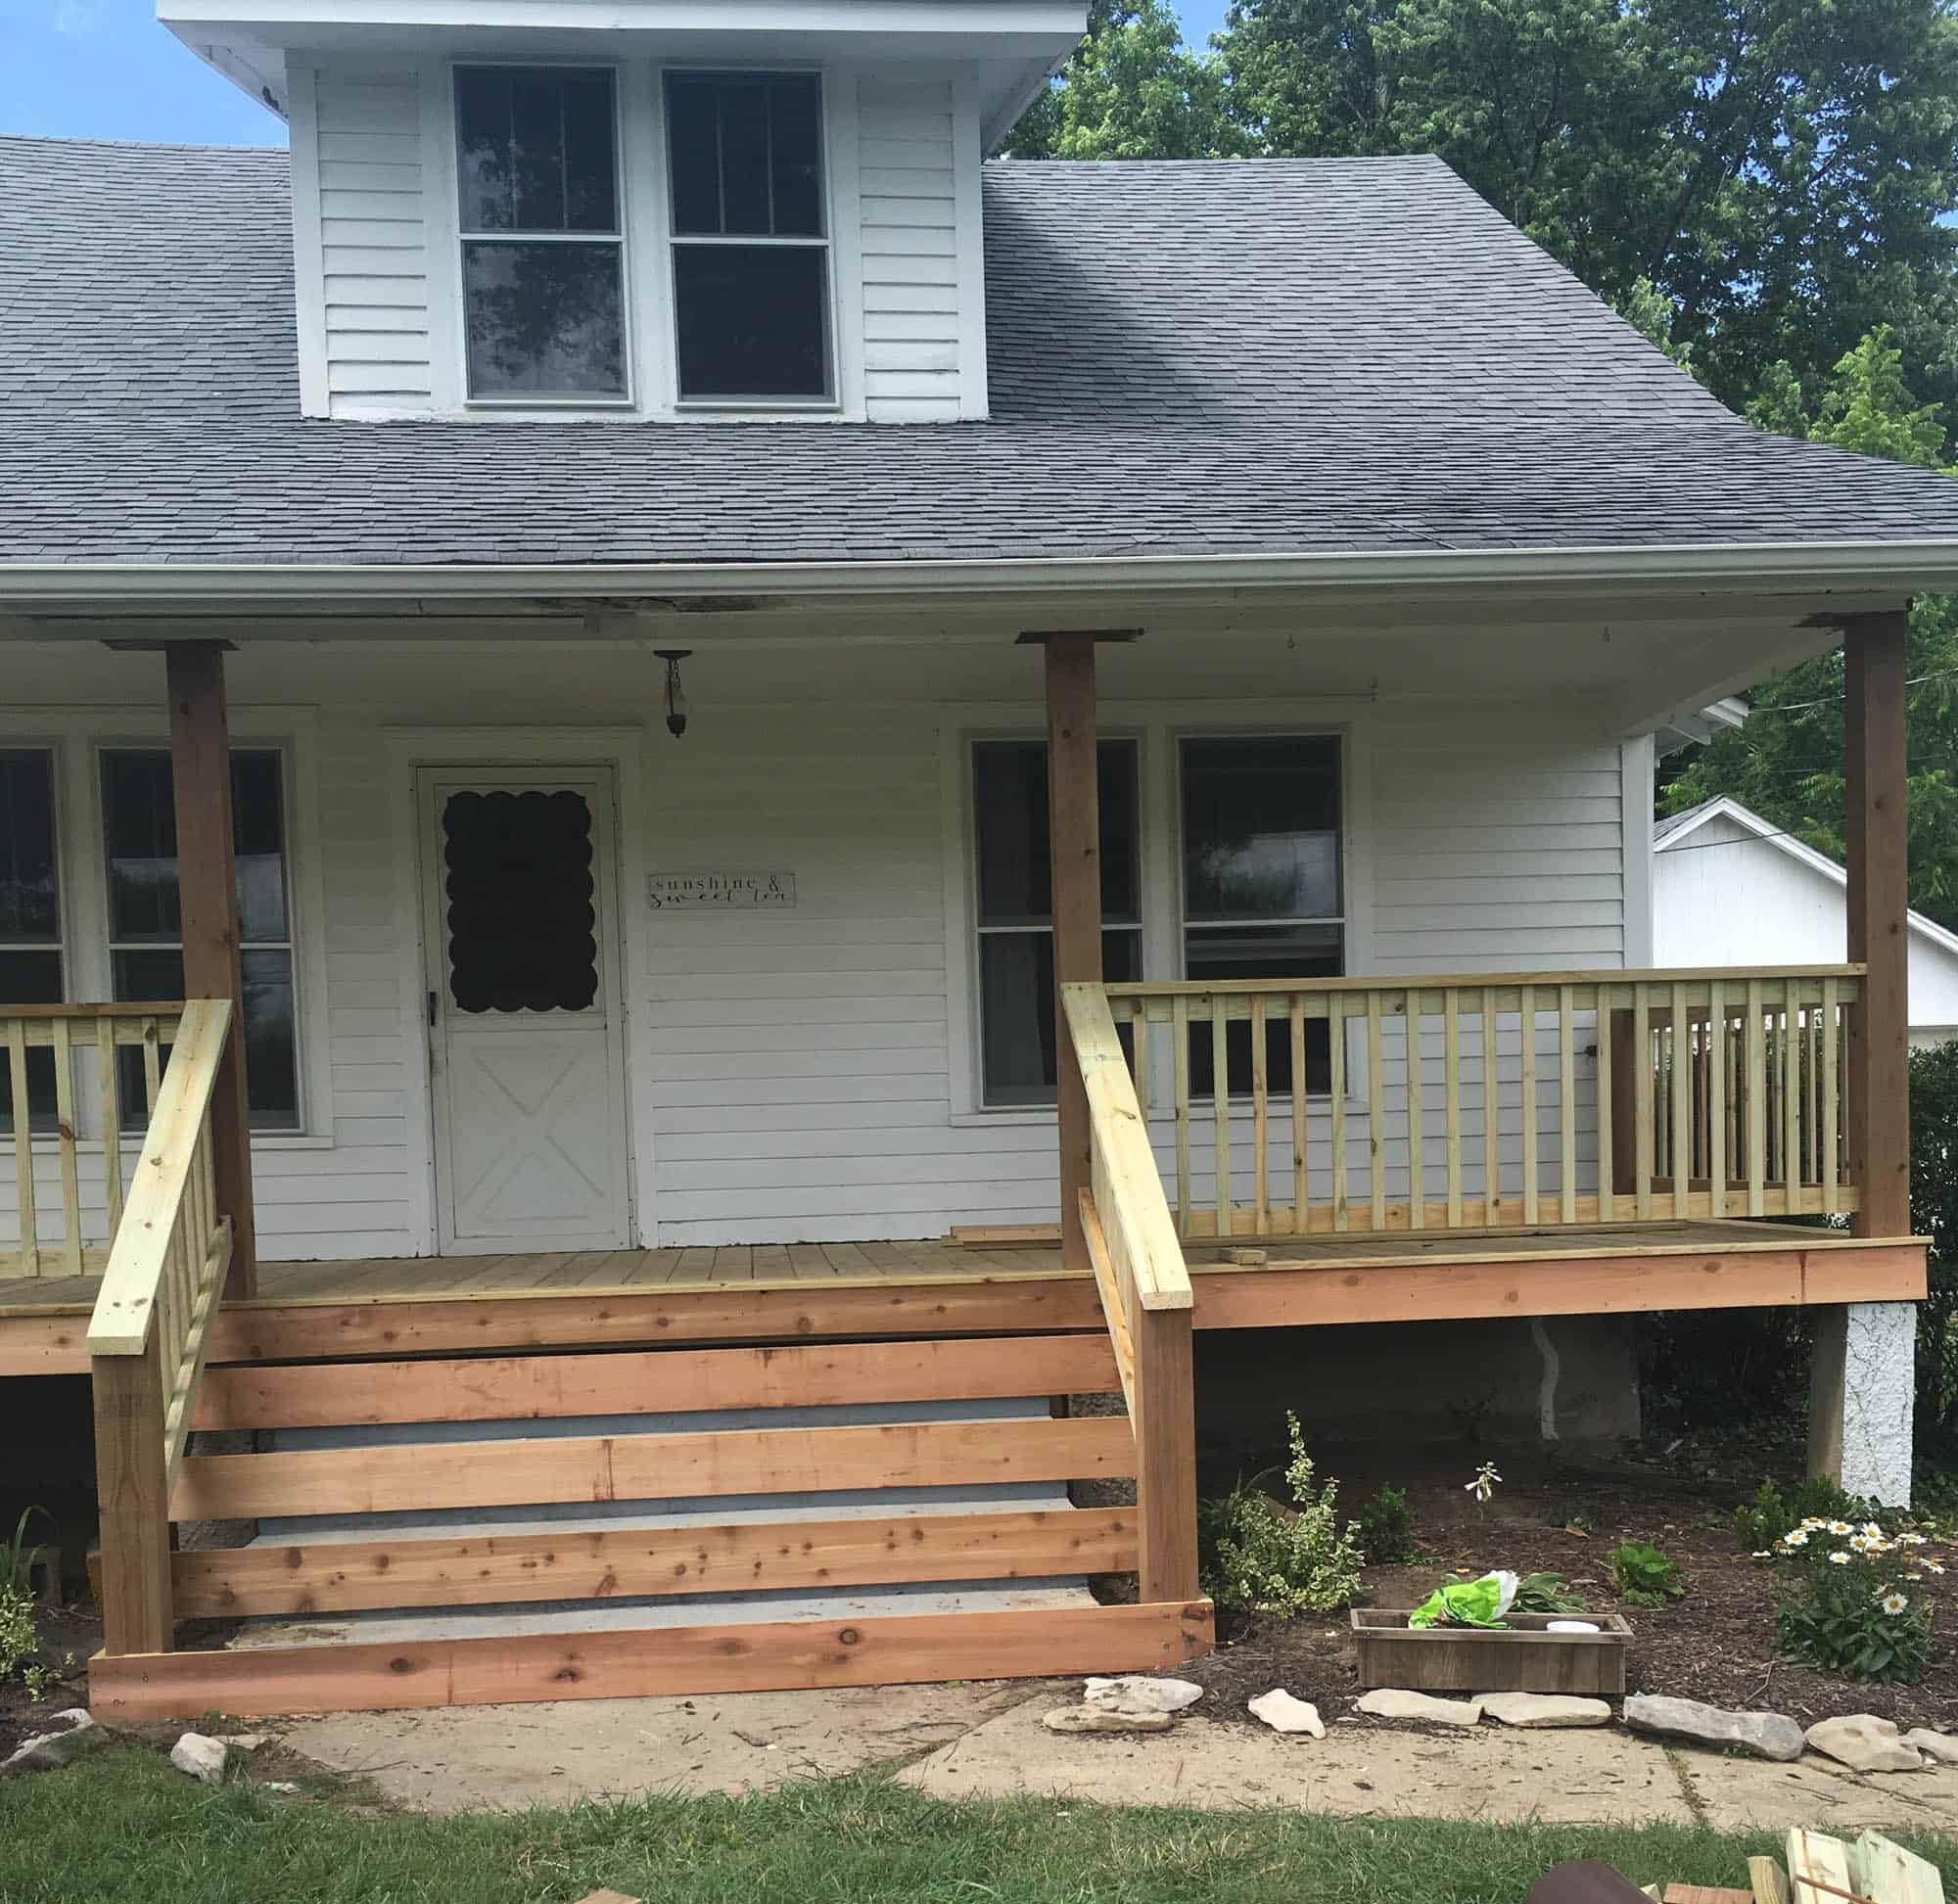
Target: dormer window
[[543, 248], [749, 244]]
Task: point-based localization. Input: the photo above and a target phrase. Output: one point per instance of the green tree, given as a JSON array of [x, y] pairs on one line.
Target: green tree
[[1132, 90]]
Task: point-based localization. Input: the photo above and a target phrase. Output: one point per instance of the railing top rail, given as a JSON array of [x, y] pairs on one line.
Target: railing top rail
[[118, 1008], [125, 1306], [1474, 981]]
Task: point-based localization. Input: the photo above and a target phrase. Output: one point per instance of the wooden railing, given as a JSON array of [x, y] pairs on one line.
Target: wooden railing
[[1146, 1298], [54, 1058], [1705, 1093], [147, 1338]]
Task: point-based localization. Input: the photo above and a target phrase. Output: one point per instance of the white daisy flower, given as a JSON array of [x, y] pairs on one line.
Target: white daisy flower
[[1932, 1566], [1910, 1539], [1862, 1542], [1798, 1537], [1841, 1527], [1813, 1522], [1871, 1528], [1764, 1553], [1838, 1558], [1895, 1602]]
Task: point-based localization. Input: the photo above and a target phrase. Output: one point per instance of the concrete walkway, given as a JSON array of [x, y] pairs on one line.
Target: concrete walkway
[[982, 1741]]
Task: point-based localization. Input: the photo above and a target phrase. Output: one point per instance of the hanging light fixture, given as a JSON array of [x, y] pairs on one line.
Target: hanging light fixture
[[675, 693]]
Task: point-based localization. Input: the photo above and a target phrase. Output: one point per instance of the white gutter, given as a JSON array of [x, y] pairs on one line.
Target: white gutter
[[1729, 569]]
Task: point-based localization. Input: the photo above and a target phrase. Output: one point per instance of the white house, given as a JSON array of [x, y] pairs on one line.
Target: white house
[[662, 728], [1730, 888]]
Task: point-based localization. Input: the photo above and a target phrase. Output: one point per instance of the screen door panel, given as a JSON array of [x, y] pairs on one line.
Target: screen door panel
[[525, 1019]]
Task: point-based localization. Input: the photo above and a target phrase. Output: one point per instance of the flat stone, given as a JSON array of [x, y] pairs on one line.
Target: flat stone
[[1865, 1743], [1102, 1718], [1284, 1713], [49, 1751], [1766, 1735], [1547, 1709], [1138, 1693], [1388, 1703], [201, 1756], [1940, 1746]]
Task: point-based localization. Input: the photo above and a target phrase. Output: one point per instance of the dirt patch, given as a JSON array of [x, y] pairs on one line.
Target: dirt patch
[[67, 1637], [1716, 1644]]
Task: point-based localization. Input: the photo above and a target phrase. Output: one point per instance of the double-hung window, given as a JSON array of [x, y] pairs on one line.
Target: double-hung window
[[750, 239], [1263, 891], [146, 921], [1015, 909], [544, 268], [30, 913]]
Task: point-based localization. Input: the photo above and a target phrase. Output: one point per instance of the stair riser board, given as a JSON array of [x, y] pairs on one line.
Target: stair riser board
[[678, 1660]]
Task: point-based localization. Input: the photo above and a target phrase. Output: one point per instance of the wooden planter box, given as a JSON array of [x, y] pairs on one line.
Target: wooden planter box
[[1523, 1658]]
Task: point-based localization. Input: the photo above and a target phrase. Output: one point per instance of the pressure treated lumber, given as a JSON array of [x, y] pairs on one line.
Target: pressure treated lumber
[[509, 1388], [876, 1650], [649, 1467], [207, 899], [1818, 1868], [133, 1491], [345, 1576]]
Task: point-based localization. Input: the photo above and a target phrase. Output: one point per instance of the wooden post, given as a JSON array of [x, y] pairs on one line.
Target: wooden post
[[1876, 837], [1165, 1426], [207, 892], [133, 1494], [1074, 840]]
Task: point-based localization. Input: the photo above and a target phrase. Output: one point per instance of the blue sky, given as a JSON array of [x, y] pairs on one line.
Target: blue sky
[[105, 70]]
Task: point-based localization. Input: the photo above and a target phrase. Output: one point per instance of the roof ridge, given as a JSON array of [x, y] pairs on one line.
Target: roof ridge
[[141, 145]]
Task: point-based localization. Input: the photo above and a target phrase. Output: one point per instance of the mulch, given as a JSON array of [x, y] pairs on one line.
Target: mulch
[[1716, 1644], [65, 1632]]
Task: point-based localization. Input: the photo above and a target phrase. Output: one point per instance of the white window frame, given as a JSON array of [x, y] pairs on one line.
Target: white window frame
[[59, 946], [669, 242], [969, 746], [618, 238]]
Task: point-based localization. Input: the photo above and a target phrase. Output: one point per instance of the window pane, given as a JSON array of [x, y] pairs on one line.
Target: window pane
[[30, 978], [1016, 1010], [752, 319], [1010, 802], [140, 824], [30, 892], [522, 924], [544, 320], [535, 149], [795, 126], [694, 142], [1261, 829], [746, 154], [271, 1063], [744, 157], [1262, 953]]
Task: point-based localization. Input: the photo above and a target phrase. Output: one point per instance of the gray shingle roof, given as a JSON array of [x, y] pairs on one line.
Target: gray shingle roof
[[1269, 357]]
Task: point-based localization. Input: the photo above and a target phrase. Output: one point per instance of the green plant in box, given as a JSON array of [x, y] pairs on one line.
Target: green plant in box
[[1546, 1593]]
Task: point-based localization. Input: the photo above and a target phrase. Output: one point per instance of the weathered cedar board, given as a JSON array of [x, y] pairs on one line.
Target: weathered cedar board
[[1523, 1658]]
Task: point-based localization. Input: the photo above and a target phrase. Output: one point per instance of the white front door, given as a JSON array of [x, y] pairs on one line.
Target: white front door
[[526, 1032]]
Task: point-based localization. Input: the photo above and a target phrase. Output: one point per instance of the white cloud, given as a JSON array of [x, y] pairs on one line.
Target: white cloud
[[78, 20]]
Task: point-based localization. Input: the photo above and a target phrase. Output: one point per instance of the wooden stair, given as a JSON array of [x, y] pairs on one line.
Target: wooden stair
[[542, 1519]]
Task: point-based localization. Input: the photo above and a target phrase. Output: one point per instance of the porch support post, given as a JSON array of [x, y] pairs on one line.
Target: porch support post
[[132, 1490], [1862, 1379], [1074, 842], [208, 893]]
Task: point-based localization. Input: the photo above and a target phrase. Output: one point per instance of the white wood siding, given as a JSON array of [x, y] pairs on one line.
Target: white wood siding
[[908, 175], [360, 239]]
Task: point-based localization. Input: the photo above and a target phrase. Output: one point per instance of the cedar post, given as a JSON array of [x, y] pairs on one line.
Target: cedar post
[[1877, 1085], [132, 1492], [207, 892], [1074, 842], [1165, 1426]]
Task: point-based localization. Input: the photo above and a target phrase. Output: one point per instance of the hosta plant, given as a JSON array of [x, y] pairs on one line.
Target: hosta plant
[[1847, 1605], [1644, 1575]]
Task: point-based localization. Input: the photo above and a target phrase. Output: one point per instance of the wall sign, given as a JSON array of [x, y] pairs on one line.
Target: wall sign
[[728, 892]]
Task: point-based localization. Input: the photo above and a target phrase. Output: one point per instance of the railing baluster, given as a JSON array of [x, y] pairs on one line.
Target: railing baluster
[[1643, 1078], [1831, 1014], [1416, 1112], [1451, 1100], [1791, 1098], [1811, 1058], [23, 1147], [1757, 1109], [1139, 1064], [1335, 1029], [1261, 1161], [1179, 1022], [1301, 1182], [1682, 1105], [1492, 1121], [65, 1123], [1716, 1099], [1528, 1025], [1377, 1097], [153, 1066], [1219, 1114], [1607, 1136], [112, 1121], [1566, 1100]]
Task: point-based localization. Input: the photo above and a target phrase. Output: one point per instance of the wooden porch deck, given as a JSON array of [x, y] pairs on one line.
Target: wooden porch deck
[[702, 1292]]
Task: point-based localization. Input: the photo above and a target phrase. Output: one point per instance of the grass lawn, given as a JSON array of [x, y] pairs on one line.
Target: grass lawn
[[123, 1826]]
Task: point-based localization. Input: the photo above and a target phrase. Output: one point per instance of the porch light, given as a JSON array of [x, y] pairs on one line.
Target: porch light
[[675, 693]]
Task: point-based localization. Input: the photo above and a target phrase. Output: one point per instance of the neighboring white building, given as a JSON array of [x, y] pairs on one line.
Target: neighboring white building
[[1729, 888]]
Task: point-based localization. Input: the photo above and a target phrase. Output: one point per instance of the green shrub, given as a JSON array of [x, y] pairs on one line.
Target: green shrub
[[1546, 1593], [1644, 1575], [1844, 1606], [1772, 1512], [18, 1557], [1269, 1560], [19, 1642], [1385, 1528]]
